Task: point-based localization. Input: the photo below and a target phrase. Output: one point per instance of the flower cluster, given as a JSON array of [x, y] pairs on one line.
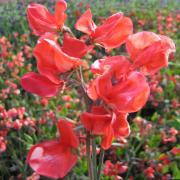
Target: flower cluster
[[13, 118], [112, 170], [168, 24], [120, 88], [119, 85]]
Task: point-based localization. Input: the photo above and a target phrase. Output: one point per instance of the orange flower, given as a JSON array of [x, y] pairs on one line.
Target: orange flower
[[42, 21], [111, 34], [54, 158]]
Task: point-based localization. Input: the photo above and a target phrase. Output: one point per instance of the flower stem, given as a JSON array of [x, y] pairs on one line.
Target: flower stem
[[88, 154], [91, 163], [101, 158], [94, 160]]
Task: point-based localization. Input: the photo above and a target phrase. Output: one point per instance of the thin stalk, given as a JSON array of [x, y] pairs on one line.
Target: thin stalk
[[82, 79], [134, 152], [88, 103], [101, 158], [94, 160], [88, 154]]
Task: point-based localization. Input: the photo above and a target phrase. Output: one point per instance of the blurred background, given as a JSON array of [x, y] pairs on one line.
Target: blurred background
[[153, 149]]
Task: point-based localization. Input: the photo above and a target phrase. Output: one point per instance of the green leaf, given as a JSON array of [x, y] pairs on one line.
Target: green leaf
[[165, 169], [154, 140], [28, 139], [175, 170], [155, 117]]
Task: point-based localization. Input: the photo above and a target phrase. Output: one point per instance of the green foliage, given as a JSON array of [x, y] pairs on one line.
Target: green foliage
[[154, 140]]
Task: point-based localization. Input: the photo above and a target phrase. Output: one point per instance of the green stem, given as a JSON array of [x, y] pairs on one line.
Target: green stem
[[94, 158], [88, 154], [135, 152], [101, 158], [88, 103]]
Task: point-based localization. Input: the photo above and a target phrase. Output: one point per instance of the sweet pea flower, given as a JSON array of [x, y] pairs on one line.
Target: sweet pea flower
[[117, 85], [109, 125], [40, 85], [149, 51], [111, 34], [42, 21], [55, 158], [52, 61]]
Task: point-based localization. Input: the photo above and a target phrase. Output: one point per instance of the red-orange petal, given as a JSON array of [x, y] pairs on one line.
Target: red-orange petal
[[60, 16], [149, 51], [104, 85], [107, 139], [131, 94], [67, 135], [120, 64], [97, 121], [152, 59], [45, 54], [116, 36], [51, 159], [126, 95], [40, 85], [91, 90], [54, 57], [75, 47], [107, 26], [40, 19], [139, 41], [85, 23], [54, 158], [121, 126]]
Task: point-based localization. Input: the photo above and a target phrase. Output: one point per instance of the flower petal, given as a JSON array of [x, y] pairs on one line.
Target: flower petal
[[40, 19], [121, 126], [155, 54], [139, 41], [40, 85], [126, 95], [85, 23], [119, 63], [107, 26], [131, 94], [168, 43], [107, 139], [96, 121], [116, 34], [51, 159], [60, 16], [55, 158], [91, 90], [74, 47], [67, 136], [104, 85], [45, 54], [54, 57], [152, 59]]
